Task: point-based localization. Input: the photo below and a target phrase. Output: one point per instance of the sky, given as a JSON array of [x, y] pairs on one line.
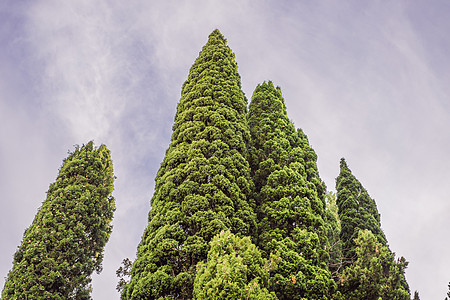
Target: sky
[[365, 80]]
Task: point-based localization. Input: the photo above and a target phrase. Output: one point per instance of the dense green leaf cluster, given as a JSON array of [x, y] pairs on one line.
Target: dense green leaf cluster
[[290, 199], [369, 270], [239, 210], [204, 181], [333, 226], [356, 210], [64, 244], [234, 270], [375, 274]]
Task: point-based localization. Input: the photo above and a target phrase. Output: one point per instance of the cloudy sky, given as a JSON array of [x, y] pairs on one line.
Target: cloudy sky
[[365, 80]]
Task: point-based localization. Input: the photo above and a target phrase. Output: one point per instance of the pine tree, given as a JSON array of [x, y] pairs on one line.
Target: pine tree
[[64, 244], [203, 183], [234, 270], [375, 274], [356, 211], [416, 295], [290, 199]]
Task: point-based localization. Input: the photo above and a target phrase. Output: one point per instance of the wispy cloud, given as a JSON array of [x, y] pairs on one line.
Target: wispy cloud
[[364, 80]]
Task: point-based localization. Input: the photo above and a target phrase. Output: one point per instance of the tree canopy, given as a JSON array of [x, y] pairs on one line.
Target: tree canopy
[[375, 274], [203, 184], [356, 210], [234, 269], [239, 209], [369, 269], [64, 244], [290, 200]]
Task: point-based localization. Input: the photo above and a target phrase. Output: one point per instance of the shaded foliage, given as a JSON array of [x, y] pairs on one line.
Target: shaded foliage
[[290, 199], [124, 273], [203, 183], [356, 211], [64, 244], [369, 267]]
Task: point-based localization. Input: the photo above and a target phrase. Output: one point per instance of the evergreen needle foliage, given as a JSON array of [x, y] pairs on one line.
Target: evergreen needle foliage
[[64, 244], [203, 183], [290, 200], [356, 211], [369, 268], [333, 225], [239, 209], [234, 270], [375, 274]]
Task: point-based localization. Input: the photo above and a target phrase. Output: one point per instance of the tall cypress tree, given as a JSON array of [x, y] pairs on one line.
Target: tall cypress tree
[[290, 199], [356, 211], [365, 246], [203, 182], [64, 244]]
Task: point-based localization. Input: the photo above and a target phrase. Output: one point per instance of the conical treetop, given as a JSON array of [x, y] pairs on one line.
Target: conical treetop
[[289, 206], [204, 181], [356, 210]]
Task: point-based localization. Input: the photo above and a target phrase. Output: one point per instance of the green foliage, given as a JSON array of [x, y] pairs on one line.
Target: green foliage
[[370, 270], [64, 244], [234, 270], [375, 274], [203, 183], [356, 211], [416, 296], [290, 199], [229, 179], [124, 272], [333, 226]]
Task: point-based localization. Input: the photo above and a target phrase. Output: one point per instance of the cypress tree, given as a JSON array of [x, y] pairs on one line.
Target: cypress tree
[[203, 182], [369, 268], [64, 244], [289, 198], [356, 211]]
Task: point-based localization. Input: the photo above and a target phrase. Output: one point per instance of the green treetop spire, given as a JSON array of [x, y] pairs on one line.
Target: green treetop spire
[[290, 200], [356, 210], [64, 244], [203, 182], [370, 269]]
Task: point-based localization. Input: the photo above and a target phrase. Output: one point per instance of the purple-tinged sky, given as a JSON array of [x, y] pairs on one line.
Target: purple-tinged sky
[[365, 80]]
